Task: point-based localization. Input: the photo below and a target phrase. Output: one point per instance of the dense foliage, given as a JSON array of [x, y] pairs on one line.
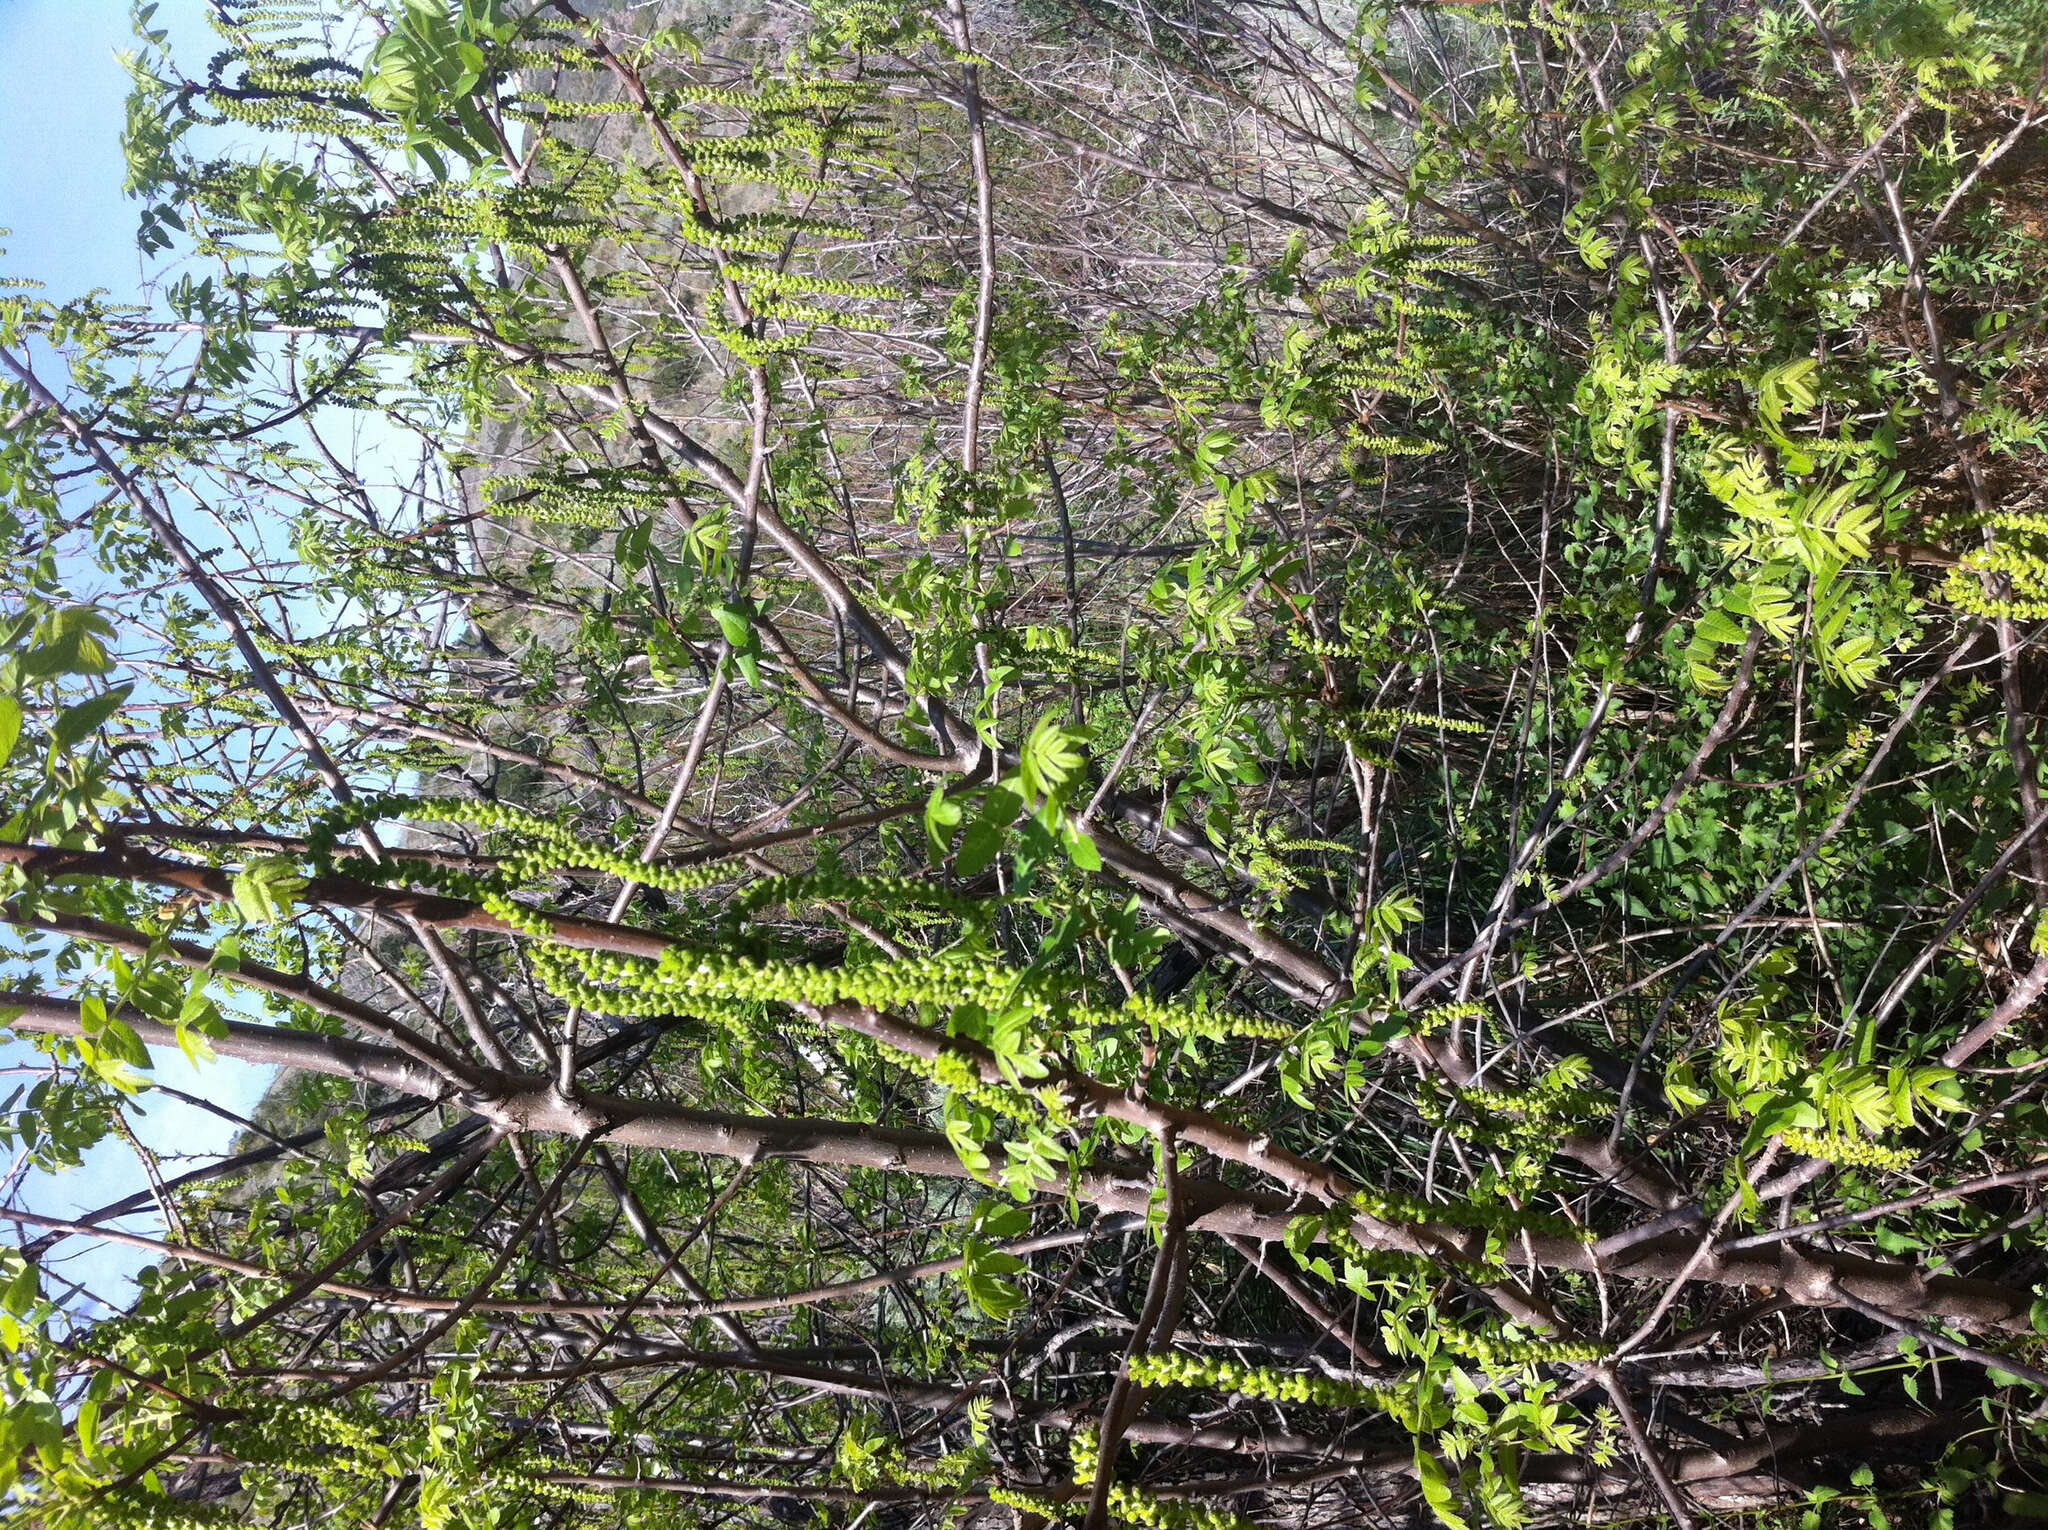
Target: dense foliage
[[1184, 763]]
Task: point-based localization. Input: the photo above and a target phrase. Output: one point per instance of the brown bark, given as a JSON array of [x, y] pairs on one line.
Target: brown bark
[[529, 1103]]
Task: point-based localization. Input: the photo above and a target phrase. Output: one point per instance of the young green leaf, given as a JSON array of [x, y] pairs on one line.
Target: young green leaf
[[1436, 1490], [77, 723], [942, 816], [264, 889], [1051, 757]]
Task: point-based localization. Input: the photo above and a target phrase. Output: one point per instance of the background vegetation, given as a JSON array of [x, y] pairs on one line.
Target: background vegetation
[[1178, 763]]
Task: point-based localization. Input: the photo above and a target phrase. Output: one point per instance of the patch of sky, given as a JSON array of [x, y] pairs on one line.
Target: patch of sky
[[63, 88]]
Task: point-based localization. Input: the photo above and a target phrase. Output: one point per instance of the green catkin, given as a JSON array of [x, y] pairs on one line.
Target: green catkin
[[1052, 649], [2016, 561], [766, 279], [1259, 1381], [1537, 1103], [1498, 1353], [1525, 1118], [1386, 719], [1380, 1263], [1850, 1152], [1131, 1504], [1493, 1351], [726, 989], [1139, 1506], [1128, 1504], [339, 649], [1084, 1450], [1205, 1024], [1041, 1504], [956, 1072], [1437, 1016], [1300, 639], [622, 984], [545, 847], [813, 94], [602, 498], [1397, 1209], [135, 1509], [812, 313]]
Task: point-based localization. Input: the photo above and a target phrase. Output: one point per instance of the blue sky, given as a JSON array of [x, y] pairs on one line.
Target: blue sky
[[61, 95], [61, 91]]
